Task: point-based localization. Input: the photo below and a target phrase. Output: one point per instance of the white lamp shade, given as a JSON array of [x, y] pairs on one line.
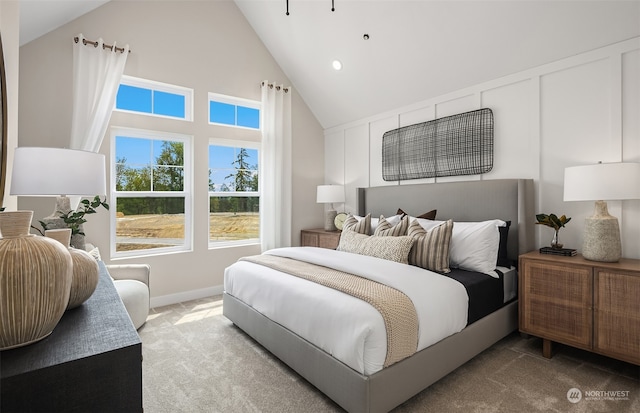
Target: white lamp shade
[[603, 181], [329, 194], [56, 172]]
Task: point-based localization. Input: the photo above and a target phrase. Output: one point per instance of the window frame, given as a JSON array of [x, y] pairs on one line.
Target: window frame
[[234, 143], [187, 192], [160, 87], [231, 100]]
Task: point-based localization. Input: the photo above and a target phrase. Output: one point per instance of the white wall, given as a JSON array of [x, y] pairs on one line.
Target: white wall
[[207, 46], [576, 111]]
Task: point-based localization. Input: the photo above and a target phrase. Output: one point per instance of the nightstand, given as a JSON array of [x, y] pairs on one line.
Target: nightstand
[[320, 238], [586, 304]]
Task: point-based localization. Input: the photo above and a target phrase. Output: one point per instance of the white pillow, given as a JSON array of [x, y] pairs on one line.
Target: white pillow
[[427, 224], [474, 246], [95, 253]]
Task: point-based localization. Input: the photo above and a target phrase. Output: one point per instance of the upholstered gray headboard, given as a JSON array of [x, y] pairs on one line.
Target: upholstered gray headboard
[[506, 199]]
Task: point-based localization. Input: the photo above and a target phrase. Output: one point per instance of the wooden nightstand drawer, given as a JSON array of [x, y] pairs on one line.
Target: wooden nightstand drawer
[[617, 315], [560, 322], [320, 238], [559, 283], [556, 302]]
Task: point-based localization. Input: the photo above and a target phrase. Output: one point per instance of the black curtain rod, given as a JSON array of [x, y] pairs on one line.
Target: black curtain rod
[[104, 46]]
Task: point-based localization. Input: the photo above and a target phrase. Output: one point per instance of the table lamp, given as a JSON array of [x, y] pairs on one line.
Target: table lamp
[[599, 183], [328, 194], [57, 172]]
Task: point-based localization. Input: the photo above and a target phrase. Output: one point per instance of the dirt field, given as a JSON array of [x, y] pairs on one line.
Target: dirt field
[[223, 227]]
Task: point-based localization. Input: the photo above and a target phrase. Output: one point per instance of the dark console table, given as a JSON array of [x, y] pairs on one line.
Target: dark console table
[[92, 362]]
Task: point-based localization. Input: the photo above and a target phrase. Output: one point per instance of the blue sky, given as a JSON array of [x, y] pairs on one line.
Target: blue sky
[[147, 100]]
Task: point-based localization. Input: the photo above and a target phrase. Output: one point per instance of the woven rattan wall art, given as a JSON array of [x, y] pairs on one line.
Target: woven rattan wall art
[[460, 144]]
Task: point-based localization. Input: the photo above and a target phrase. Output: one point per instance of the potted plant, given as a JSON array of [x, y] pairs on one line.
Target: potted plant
[[75, 219], [554, 222]]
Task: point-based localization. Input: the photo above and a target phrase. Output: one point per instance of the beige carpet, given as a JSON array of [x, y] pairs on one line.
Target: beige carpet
[[195, 360]]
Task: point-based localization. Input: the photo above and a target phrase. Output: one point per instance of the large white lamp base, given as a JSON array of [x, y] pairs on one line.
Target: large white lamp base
[[602, 236], [55, 221]]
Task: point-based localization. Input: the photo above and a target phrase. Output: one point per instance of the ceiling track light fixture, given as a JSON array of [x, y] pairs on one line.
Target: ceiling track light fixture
[[332, 6]]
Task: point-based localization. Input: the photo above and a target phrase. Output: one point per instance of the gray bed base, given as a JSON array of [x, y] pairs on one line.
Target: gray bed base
[[507, 199], [387, 388]]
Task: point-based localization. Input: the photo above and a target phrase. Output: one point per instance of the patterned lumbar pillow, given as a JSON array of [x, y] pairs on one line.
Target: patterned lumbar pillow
[[352, 224], [385, 229], [388, 248], [431, 248]]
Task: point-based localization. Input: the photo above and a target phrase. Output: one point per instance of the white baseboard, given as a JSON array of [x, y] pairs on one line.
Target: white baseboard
[[169, 299]]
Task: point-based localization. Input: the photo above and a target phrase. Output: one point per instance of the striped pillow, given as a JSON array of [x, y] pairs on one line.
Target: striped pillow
[[362, 227], [431, 248], [384, 228]]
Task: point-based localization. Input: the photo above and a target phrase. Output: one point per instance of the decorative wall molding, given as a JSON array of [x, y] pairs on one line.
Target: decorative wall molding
[[574, 111]]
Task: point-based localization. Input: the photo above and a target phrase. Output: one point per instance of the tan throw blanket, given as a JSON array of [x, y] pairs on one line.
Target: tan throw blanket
[[397, 310]]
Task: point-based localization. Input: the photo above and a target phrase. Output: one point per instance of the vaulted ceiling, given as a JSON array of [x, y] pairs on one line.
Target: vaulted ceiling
[[415, 50]]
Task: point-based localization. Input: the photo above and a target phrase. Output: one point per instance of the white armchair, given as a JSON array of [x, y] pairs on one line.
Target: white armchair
[[132, 284]]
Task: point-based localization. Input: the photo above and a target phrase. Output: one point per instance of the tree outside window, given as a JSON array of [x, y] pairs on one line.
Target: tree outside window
[[234, 199]]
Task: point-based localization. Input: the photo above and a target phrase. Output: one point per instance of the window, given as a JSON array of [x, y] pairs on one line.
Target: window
[[234, 196], [231, 111], [154, 98], [151, 179]]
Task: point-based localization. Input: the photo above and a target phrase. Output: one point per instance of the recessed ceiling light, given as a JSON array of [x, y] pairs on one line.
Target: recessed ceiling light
[[337, 65]]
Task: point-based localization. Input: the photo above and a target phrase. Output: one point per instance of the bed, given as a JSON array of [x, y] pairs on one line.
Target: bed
[[359, 388]]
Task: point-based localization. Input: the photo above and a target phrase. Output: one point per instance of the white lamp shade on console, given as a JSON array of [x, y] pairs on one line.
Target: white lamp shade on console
[[57, 172], [330, 194], [599, 183]]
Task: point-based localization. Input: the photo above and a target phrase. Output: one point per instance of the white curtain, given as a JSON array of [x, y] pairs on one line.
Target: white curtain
[[96, 77], [275, 167]]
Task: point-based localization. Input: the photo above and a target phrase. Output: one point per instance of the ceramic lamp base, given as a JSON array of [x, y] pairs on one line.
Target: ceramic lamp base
[[602, 236], [329, 220]]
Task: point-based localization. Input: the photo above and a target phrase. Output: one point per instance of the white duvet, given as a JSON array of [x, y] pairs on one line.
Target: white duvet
[[348, 328]]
